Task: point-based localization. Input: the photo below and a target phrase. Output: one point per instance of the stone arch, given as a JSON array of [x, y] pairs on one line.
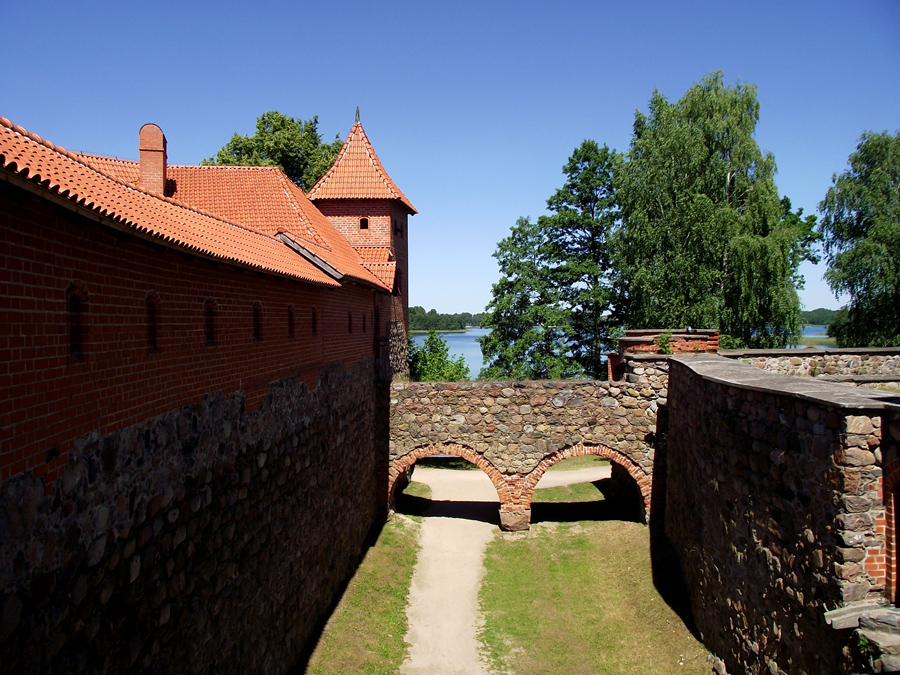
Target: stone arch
[[400, 465], [641, 478]]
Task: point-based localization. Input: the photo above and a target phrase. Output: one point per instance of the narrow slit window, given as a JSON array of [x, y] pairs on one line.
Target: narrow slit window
[[364, 223], [257, 322], [76, 305], [314, 322], [209, 322], [290, 321], [364, 323], [152, 322], [349, 322]]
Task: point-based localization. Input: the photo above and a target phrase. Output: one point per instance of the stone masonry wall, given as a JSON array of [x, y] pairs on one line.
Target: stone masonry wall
[[516, 430], [205, 540], [817, 362], [774, 501]]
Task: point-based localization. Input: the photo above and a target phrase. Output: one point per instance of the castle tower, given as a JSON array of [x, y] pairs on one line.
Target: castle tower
[[362, 202]]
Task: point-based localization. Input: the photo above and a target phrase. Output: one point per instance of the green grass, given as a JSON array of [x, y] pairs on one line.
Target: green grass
[[414, 500], [365, 633], [573, 463], [577, 492], [417, 489], [580, 598]]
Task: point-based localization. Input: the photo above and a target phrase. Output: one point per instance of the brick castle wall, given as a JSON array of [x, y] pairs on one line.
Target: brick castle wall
[[150, 523], [53, 398]]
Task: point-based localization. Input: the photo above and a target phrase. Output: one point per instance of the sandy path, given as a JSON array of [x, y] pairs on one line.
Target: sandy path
[[443, 597]]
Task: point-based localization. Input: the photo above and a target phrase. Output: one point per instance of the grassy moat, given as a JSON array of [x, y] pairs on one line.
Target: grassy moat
[[568, 596]]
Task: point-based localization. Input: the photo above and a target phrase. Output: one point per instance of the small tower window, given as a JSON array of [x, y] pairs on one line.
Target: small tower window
[[314, 324], [364, 223], [152, 322], [76, 304], [290, 320], [209, 322], [257, 322]]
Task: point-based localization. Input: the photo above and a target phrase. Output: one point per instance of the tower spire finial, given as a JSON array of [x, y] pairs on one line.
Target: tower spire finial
[[357, 114]]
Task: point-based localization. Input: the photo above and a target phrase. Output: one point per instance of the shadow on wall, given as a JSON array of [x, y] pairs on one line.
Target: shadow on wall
[[668, 576], [302, 664]]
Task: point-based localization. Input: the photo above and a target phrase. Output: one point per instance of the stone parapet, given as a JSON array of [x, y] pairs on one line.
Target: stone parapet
[[818, 362]]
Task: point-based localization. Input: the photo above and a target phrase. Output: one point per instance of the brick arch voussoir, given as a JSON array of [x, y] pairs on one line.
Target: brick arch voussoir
[[890, 487], [403, 463], [642, 478]]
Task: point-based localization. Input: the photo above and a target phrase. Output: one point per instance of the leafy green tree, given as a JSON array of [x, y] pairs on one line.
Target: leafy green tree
[[432, 363], [579, 231], [291, 144], [861, 227], [530, 329], [705, 239], [421, 320]]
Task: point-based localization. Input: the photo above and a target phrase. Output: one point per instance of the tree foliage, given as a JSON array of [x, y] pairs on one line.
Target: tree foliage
[[584, 217], [432, 363], [291, 144], [861, 228], [705, 240], [529, 328]]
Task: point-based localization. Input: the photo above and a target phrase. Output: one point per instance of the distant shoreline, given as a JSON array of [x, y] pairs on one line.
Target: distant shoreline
[[438, 330]]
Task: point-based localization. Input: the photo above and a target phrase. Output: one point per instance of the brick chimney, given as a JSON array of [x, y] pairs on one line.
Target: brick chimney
[[153, 159]]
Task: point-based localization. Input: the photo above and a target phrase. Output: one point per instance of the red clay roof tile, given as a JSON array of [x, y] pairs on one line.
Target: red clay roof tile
[[218, 226], [357, 173]]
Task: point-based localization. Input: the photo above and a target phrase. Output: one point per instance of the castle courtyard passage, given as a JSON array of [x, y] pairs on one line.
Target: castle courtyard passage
[[515, 431]]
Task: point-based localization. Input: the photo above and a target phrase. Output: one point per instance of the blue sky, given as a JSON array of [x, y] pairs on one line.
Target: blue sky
[[473, 107]]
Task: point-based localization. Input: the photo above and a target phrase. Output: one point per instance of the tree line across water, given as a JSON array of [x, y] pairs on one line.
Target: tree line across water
[[421, 320]]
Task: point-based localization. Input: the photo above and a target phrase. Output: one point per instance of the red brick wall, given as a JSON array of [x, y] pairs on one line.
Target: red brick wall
[[401, 248], [344, 214], [50, 398]]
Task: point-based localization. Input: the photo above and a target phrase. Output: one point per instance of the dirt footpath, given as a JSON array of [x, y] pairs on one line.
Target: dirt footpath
[[443, 599]]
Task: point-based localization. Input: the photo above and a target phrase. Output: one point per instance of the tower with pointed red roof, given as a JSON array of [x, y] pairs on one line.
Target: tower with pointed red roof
[[365, 205]]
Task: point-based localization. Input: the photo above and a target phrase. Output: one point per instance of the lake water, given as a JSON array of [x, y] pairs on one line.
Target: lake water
[[464, 344]]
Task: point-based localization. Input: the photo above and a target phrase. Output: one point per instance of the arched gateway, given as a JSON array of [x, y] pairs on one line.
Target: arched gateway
[[515, 431]]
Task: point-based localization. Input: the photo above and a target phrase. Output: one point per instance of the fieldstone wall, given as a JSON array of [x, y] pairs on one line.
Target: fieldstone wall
[[206, 540], [818, 362], [398, 348], [516, 430], [774, 501]]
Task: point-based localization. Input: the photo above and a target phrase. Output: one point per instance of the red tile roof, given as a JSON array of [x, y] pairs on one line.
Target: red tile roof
[[236, 222], [357, 173], [375, 254]]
